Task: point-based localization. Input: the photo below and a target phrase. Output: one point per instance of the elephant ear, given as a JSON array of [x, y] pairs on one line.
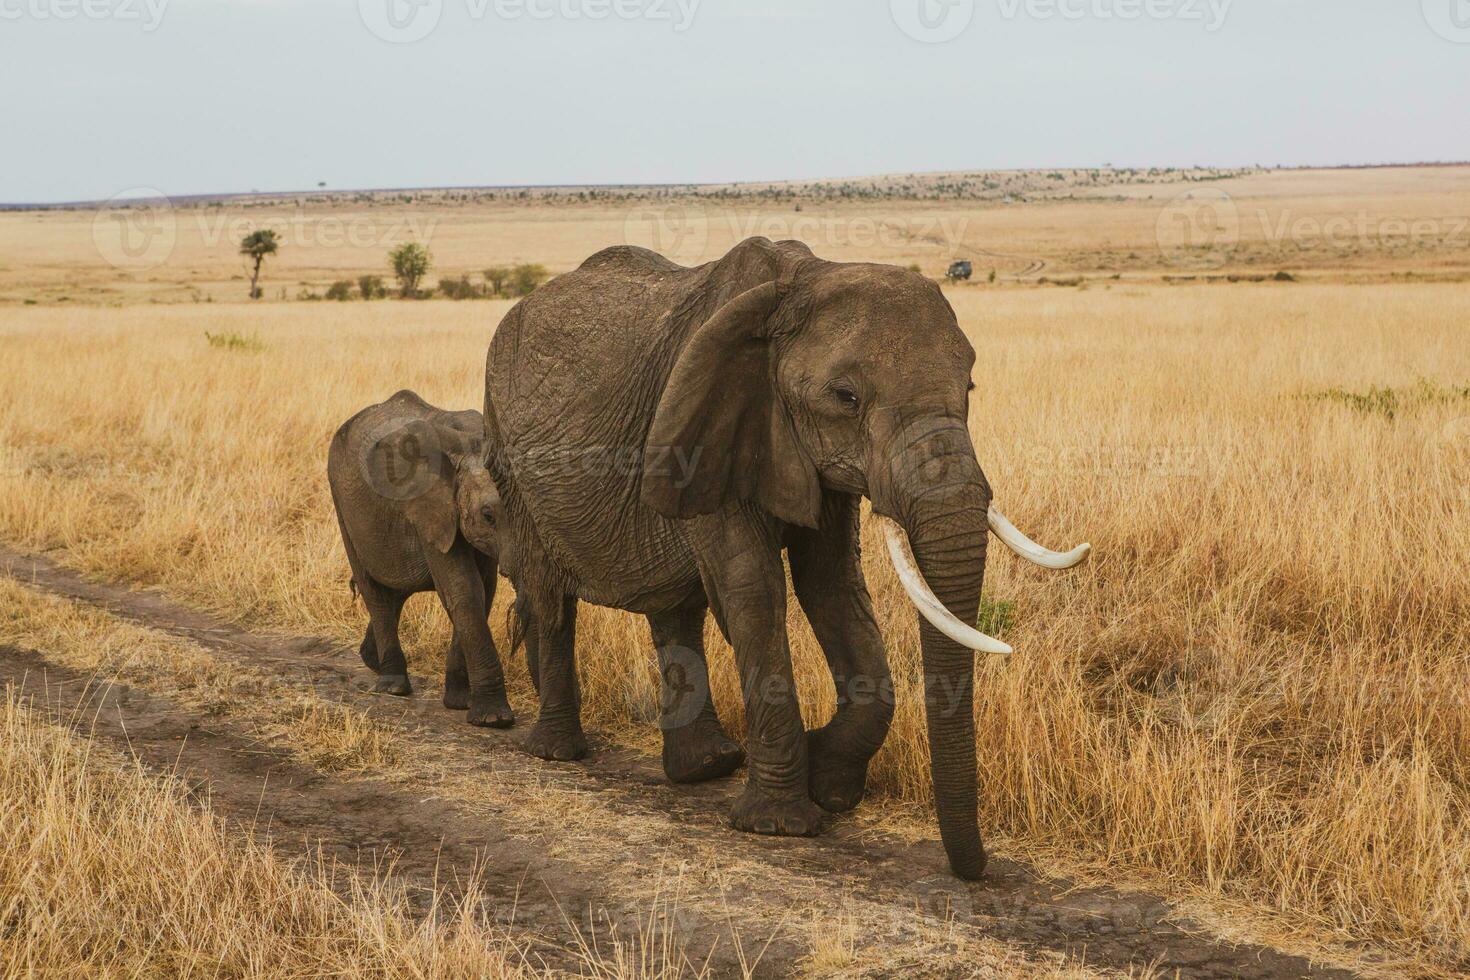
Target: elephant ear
[[414, 464], [721, 432]]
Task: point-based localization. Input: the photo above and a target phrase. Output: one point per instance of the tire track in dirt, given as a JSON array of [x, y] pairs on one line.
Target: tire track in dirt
[[356, 823], [1099, 926]]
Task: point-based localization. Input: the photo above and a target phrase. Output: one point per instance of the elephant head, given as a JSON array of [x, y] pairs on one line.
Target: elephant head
[[437, 471], [853, 378]]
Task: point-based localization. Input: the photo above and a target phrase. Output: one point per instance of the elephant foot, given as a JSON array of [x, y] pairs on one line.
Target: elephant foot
[[759, 812], [556, 744], [699, 752], [394, 684], [838, 782], [368, 651], [488, 710], [456, 692]]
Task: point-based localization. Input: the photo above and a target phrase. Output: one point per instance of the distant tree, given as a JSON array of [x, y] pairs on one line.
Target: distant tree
[[411, 262], [496, 277], [341, 290], [371, 287], [525, 278], [256, 246]]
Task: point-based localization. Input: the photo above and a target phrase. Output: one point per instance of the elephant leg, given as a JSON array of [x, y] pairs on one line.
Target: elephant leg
[[456, 673], [456, 676], [384, 607], [739, 557], [696, 748], [525, 626], [368, 650], [461, 589], [558, 734], [827, 575]]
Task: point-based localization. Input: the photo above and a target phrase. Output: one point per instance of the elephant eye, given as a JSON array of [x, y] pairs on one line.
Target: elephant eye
[[488, 515], [972, 386], [845, 395]]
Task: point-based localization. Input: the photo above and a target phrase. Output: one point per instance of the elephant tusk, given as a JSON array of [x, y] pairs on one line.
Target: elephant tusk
[[1030, 550], [927, 602]]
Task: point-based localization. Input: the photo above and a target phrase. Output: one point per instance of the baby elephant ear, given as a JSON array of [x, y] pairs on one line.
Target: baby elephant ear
[[411, 465], [721, 433]]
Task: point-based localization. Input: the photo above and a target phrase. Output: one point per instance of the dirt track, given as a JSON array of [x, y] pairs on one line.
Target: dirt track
[[631, 830]]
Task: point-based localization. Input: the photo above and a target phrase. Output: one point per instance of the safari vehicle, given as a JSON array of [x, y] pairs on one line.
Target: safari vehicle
[[960, 269]]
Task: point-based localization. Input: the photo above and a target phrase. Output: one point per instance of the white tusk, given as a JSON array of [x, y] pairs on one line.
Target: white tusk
[[928, 603], [1030, 550]]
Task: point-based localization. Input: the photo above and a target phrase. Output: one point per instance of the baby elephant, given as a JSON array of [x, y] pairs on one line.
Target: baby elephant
[[417, 511]]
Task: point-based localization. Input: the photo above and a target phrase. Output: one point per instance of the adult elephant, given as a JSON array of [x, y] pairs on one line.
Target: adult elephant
[[660, 434]]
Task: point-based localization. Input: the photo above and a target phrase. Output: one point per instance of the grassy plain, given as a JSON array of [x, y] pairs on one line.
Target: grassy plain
[[1253, 696]]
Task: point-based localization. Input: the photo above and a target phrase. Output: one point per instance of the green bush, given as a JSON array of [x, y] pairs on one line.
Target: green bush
[[341, 290], [496, 278], [460, 288], [525, 278], [233, 341], [371, 287]]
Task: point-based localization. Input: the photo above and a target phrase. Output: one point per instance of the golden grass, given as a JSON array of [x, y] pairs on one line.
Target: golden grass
[[1254, 690], [630, 938], [108, 871]]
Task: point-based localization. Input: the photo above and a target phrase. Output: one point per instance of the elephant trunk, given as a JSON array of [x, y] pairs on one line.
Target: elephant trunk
[[949, 546], [942, 505]]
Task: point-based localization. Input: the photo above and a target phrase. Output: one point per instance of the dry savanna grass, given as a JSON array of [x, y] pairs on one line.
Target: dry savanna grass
[[629, 939], [1253, 694], [101, 872]]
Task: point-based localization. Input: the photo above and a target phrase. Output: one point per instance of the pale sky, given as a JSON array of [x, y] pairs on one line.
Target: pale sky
[[201, 96]]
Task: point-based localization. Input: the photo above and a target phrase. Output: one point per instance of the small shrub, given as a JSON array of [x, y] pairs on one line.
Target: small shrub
[[496, 278], [525, 278], [233, 341], [460, 288], [371, 287], [1389, 402], [341, 290]]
